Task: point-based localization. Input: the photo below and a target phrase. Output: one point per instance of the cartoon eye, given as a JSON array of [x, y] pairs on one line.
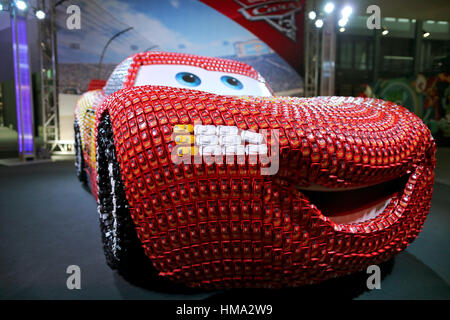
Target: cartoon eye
[[188, 79], [232, 82]]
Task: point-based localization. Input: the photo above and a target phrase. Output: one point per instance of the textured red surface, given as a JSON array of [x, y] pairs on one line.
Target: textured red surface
[[96, 84], [221, 226], [138, 60]]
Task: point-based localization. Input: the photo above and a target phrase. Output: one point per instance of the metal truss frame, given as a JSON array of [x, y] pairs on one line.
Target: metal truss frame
[[49, 83], [311, 54], [328, 63]]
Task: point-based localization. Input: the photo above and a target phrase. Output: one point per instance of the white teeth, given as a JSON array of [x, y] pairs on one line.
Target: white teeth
[[214, 150], [233, 140], [204, 130], [234, 150], [227, 130], [252, 137], [256, 149], [203, 140], [227, 140]]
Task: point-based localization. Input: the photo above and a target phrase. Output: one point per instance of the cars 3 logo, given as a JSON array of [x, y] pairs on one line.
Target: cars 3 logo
[[279, 14]]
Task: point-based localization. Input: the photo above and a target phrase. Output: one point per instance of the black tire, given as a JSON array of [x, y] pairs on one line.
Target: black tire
[[79, 160], [121, 245]]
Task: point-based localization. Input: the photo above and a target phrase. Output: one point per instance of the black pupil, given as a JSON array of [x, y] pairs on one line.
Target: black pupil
[[189, 77], [232, 81]]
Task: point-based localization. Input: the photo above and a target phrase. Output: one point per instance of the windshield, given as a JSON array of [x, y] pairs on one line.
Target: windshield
[[189, 77]]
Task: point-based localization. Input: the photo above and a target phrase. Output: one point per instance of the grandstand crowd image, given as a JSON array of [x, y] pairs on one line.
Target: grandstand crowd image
[[235, 157]]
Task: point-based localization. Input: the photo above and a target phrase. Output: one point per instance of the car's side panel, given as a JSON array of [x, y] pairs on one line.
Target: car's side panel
[[85, 115]]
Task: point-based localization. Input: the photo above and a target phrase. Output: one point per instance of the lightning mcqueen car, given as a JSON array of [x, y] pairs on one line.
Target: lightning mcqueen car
[[352, 188]]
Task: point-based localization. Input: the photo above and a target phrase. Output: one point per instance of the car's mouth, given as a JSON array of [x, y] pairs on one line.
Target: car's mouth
[[357, 205]]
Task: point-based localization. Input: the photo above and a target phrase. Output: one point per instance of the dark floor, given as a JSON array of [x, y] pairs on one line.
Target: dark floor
[[48, 222]]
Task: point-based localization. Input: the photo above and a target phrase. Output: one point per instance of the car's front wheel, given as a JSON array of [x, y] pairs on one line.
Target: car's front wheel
[[121, 244]]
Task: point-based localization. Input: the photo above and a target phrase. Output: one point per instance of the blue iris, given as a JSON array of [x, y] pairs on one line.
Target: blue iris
[[188, 79], [232, 82]]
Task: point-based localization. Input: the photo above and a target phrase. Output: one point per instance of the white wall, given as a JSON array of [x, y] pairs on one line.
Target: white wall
[[66, 110]]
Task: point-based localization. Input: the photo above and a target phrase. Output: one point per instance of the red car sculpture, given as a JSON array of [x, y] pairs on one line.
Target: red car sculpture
[[222, 190]]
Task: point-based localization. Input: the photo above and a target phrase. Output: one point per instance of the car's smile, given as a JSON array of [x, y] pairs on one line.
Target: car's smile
[[357, 205]]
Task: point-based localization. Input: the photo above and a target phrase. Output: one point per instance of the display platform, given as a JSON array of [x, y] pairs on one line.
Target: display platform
[[48, 222]]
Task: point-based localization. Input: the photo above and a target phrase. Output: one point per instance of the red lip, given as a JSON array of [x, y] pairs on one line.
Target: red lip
[[265, 232]]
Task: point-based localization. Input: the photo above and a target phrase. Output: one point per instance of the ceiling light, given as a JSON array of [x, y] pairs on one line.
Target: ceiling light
[[329, 7], [342, 22], [312, 15], [40, 14], [21, 5], [346, 11], [319, 23]]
